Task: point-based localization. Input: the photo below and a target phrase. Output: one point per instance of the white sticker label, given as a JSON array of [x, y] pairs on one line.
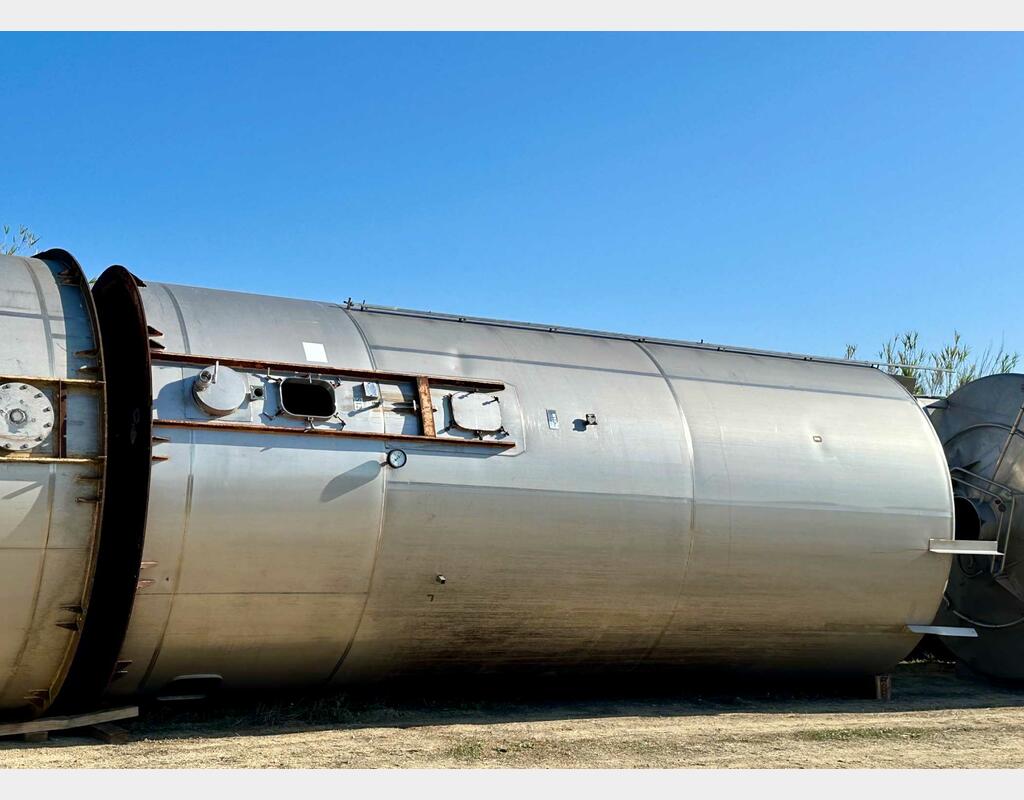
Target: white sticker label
[[315, 352], [552, 419]]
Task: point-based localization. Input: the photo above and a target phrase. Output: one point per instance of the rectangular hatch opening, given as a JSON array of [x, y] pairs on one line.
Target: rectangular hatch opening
[[308, 398]]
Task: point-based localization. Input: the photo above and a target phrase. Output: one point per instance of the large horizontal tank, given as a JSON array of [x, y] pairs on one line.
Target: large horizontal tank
[[568, 500], [305, 493]]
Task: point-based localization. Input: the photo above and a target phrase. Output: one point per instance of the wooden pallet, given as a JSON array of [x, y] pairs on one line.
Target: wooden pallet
[[95, 723]]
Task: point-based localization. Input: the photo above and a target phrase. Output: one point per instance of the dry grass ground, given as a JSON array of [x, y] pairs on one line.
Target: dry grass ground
[[935, 720]]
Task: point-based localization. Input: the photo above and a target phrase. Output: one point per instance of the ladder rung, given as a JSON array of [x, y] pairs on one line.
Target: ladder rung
[[944, 630], [964, 547]]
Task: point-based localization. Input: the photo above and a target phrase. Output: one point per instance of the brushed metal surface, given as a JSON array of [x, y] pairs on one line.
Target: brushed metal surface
[[48, 535], [730, 508]]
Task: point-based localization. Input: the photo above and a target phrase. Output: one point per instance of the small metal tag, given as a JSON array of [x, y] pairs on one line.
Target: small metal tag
[[552, 419]]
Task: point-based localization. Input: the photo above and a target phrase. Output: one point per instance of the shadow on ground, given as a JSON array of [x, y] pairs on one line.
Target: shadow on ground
[[922, 686]]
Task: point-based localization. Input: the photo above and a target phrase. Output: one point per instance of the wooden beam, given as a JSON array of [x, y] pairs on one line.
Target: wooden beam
[[47, 724]]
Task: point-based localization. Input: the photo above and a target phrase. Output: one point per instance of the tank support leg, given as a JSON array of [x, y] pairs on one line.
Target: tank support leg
[[883, 687]]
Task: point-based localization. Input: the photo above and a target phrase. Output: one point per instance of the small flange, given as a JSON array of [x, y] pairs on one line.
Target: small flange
[[219, 390], [26, 416]]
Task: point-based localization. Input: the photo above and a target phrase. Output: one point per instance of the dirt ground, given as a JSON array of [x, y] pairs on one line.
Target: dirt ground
[[935, 719]]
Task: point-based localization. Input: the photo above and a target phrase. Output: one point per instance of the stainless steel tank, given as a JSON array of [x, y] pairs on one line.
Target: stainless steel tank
[[981, 426], [569, 499], [304, 493], [52, 445]]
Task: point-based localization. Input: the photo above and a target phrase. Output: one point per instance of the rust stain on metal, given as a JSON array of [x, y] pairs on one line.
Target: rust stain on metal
[[51, 381], [60, 397], [426, 406], [51, 460]]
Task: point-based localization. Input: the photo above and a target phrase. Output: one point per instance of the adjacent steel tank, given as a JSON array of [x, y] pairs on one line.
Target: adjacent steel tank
[[52, 472], [314, 493], [981, 426]]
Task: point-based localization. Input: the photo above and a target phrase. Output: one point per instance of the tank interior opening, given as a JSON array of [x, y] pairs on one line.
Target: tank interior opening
[[967, 523], [302, 397]]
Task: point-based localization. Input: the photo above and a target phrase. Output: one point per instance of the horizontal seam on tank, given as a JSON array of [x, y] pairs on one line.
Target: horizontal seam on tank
[[636, 373], [773, 504], [668, 498], [425, 485], [600, 335], [149, 593], [504, 360]]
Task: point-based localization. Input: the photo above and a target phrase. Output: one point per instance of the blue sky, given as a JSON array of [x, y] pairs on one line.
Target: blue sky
[[792, 192]]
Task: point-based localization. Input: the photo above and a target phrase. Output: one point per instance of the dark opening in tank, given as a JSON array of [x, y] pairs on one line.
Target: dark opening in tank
[[967, 525], [304, 398]]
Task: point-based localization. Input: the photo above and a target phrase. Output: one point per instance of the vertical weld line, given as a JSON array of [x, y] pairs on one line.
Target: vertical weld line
[[44, 313], [380, 528], [180, 565], [362, 335], [181, 318], [687, 446], [373, 571]]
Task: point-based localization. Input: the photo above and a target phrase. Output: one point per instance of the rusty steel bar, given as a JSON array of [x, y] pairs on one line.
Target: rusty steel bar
[[60, 412], [249, 427], [49, 460], [80, 382]]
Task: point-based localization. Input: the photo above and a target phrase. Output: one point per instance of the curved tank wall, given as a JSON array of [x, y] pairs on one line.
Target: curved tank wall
[[51, 472], [630, 502]]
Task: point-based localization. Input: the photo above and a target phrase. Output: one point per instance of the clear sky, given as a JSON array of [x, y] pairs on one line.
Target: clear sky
[[792, 192]]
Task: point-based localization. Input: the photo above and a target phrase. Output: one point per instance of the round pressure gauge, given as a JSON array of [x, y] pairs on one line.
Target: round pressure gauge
[[397, 458]]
